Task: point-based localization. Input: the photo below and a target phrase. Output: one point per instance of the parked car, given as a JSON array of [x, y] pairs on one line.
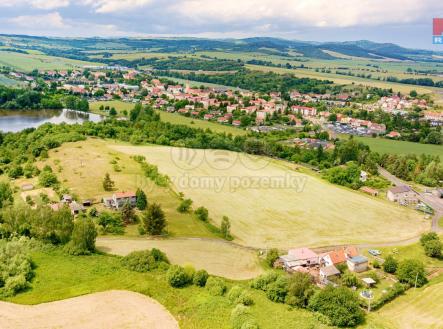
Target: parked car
[[374, 252]]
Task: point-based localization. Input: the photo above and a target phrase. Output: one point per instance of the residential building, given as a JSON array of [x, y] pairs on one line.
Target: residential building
[[402, 194], [357, 264]]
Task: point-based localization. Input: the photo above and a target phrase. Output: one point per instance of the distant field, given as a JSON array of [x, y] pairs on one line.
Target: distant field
[[173, 118], [25, 62], [217, 257], [81, 167], [4, 80], [295, 210], [382, 145]]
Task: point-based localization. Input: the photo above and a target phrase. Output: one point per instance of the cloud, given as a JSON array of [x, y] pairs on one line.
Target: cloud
[[113, 6], [315, 13], [37, 22], [38, 4]]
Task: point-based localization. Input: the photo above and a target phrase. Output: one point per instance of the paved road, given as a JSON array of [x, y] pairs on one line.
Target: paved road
[[431, 200]]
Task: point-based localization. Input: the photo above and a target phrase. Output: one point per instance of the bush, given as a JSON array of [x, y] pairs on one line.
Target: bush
[[241, 318], [300, 289], [375, 264], [47, 179], [264, 280], [271, 256], [234, 293], [433, 248], [190, 272], [216, 286], [349, 279], [425, 237], [277, 290], [390, 265], [373, 275], [144, 261], [200, 278], [340, 305], [245, 298], [110, 223], [185, 206], [412, 271], [15, 267], [177, 277], [396, 290], [142, 200], [202, 213]]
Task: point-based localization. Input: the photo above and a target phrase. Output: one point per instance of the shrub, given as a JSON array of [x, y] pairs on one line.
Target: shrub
[[47, 179], [300, 289], [271, 256], [142, 200], [5, 194], [412, 271], [425, 237], [241, 318], [15, 267], [245, 298], [144, 261], [264, 280], [185, 206], [110, 223], [376, 264], [340, 305], [216, 286], [390, 265], [202, 213], [200, 278], [190, 272], [373, 275], [234, 293], [349, 279], [225, 228], [396, 290], [177, 277], [433, 248], [277, 290]]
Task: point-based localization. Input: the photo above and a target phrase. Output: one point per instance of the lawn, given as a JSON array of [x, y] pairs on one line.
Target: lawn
[[81, 167], [59, 276], [271, 204], [173, 118], [217, 257], [382, 145], [27, 62]]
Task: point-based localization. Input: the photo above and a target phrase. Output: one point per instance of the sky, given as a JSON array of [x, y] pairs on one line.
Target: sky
[[405, 22]]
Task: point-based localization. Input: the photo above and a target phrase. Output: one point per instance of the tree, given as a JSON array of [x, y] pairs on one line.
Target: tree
[[5, 194], [225, 228], [127, 213], [142, 200], [154, 219], [184, 206], [300, 289], [425, 237], [47, 179], [202, 213], [412, 271], [390, 265], [340, 305], [200, 278], [177, 277], [433, 248], [108, 184], [413, 93], [112, 112], [271, 256], [349, 279], [83, 237]]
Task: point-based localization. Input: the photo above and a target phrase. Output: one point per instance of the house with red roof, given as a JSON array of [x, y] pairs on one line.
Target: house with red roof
[[338, 256], [119, 199]]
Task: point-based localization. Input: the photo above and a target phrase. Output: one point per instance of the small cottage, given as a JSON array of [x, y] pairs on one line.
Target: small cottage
[[357, 264]]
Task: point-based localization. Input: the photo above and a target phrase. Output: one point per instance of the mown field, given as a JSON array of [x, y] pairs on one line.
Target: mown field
[[29, 62], [270, 204], [383, 145], [173, 118]]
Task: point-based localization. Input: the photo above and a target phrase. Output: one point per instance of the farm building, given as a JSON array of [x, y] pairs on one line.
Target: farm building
[[338, 256], [117, 200], [402, 194], [301, 257], [369, 191], [357, 264], [76, 208], [327, 273]]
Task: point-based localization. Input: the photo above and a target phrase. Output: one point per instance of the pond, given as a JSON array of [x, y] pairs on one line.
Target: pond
[[14, 121]]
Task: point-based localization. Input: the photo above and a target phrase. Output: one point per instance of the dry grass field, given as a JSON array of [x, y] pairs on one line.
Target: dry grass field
[[217, 257], [272, 205], [114, 309]]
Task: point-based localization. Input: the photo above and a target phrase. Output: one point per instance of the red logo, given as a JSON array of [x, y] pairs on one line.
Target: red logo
[[438, 26]]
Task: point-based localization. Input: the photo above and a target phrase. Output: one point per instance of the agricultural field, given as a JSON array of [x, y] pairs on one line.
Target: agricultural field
[[81, 167], [4, 80], [217, 257], [27, 63], [383, 145], [111, 305], [271, 204]]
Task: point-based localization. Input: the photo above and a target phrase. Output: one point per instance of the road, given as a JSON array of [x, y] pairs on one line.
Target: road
[[431, 200]]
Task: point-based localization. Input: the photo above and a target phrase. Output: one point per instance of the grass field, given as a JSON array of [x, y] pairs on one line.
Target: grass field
[[81, 167], [27, 63], [59, 276], [272, 205], [4, 80], [173, 118], [382, 145], [217, 257]]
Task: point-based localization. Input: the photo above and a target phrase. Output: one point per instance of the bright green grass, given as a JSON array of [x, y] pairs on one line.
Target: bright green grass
[[59, 276], [26, 62], [382, 145], [173, 118]]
